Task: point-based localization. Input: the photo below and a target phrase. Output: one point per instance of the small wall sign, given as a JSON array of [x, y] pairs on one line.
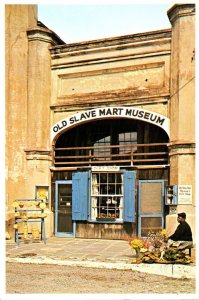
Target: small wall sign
[[105, 168], [184, 194]]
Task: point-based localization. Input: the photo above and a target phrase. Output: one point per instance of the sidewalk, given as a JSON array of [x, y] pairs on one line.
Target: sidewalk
[[95, 253]]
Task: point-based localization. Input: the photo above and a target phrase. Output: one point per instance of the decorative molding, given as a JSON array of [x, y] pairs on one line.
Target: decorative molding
[[182, 148], [113, 70], [100, 99], [120, 41], [43, 34], [180, 10], [138, 80], [112, 49], [35, 154], [108, 59]]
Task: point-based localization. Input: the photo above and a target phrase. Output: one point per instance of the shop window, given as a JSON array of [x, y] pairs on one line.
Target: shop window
[[111, 198], [107, 196]]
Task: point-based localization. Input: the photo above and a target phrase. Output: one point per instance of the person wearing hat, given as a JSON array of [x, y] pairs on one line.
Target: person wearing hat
[[182, 237]]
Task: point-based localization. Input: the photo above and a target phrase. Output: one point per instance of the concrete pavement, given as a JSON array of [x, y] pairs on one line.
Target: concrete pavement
[[95, 253]]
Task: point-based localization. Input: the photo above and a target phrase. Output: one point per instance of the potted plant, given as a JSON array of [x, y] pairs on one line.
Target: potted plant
[[139, 246]]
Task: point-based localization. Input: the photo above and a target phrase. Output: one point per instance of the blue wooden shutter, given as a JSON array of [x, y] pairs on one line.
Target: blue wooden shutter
[[80, 194], [129, 196]]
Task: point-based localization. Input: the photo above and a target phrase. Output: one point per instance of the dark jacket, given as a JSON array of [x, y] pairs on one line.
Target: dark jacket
[[182, 233]]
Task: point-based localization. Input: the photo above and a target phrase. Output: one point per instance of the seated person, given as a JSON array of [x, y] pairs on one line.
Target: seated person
[[182, 237]]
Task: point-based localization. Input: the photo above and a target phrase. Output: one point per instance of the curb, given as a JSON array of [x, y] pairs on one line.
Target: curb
[[170, 270]]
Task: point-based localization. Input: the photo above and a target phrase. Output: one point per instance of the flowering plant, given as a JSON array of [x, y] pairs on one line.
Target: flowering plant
[[156, 240], [136, 243], [164, 232]]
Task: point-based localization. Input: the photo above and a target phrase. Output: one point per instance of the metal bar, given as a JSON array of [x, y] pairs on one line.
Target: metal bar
[[152, 159], [91, 162], [113, 155], [112, 146], [107, 158], [108, 161], [152, 167]]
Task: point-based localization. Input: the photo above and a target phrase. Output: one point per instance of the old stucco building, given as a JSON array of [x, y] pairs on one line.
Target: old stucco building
[[104, 128]]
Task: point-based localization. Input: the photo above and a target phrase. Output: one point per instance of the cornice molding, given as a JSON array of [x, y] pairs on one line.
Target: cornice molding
[[180, 10], [120, 41], [116, 97], [43, 34]]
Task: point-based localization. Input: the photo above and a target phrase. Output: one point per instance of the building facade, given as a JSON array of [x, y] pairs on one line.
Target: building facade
[[104, 129]]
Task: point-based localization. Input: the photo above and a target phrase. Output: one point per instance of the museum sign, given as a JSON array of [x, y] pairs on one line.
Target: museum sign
[[110, 112]]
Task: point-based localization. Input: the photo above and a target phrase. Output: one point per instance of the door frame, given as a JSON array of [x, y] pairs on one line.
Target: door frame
[[139, 202], [57, 233]]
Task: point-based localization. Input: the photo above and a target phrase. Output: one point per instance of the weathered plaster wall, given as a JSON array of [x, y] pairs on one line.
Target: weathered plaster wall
[[17, 19], [182, 104], [28, 88], [130, 70]]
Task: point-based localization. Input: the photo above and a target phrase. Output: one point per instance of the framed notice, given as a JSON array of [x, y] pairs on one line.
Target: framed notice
[[42, 192], [184, 194]]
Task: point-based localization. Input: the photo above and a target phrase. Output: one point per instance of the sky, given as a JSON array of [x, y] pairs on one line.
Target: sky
[[83, 22]]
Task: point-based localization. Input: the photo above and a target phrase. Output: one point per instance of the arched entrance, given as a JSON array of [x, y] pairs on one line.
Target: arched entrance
[[104, 173], [113, 142]]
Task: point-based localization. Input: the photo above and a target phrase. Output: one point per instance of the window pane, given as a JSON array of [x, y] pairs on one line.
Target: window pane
[[151, 198], [107, 196], [127, 138], [150, 224]]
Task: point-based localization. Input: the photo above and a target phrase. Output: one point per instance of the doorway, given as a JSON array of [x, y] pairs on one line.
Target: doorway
[[64, 226], [150, 207]]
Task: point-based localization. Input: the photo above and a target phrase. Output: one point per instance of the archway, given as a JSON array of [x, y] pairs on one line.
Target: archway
[[112, 142]]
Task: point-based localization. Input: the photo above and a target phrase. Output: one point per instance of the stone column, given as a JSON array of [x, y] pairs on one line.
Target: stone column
[[182, 104], [17, 19], [38, 148]]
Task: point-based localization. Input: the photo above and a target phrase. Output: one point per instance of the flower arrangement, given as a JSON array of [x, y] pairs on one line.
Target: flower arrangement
[[139, 245], [156, 239], [156, 250], [136, 243], [164, 232]]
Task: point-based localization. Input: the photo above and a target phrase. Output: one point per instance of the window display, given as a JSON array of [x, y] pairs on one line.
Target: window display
[[107, 196]]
